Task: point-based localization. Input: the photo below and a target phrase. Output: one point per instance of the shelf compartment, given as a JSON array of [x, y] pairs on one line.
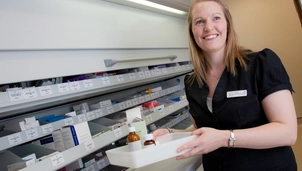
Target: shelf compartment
[[80, 151], [13, 103], [102, 140], [46, 129]]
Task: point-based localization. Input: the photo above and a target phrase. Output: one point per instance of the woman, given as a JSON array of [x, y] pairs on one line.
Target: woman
[[240, 101]]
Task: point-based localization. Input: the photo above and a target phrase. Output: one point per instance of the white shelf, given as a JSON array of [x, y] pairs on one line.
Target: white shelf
[[41, 131], [166, 111], [80, 151], [15, 101], [176, 120]]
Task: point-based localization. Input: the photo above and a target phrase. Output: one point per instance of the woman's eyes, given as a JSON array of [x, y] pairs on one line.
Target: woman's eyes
[[216, 18], [199, 22], [203, 21]]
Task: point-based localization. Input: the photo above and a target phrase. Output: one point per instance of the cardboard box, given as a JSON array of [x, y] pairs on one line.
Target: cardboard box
[[81, 107], [78, 164], [47, 142], [100, 105], [58, 140], [27, 123], [74, 135], [20, 165]]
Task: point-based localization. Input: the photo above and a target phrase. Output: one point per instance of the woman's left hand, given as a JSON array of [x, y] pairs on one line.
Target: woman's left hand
[[209, 140]]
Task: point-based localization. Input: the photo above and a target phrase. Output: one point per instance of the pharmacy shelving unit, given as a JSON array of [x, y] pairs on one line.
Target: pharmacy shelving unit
[[36, 98], [13, 101], [70, 155]]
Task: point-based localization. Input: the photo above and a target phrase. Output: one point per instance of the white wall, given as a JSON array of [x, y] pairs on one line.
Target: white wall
[[50, 38], [78, 24]]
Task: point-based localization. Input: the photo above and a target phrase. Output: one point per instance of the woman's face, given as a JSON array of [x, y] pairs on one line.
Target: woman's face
[[209, 26]]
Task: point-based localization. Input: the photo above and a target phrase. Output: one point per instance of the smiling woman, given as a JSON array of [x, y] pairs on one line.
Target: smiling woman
[[298, 4], [240, 101]]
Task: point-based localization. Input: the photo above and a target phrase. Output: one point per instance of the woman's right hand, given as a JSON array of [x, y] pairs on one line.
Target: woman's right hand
[[160, 132]]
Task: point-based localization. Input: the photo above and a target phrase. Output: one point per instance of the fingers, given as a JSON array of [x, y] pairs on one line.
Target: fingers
[[189, 145], [159, 132], [198, 131], [195, 151]]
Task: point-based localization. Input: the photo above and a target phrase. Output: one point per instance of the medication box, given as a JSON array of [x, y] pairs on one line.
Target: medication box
[[166, 148]]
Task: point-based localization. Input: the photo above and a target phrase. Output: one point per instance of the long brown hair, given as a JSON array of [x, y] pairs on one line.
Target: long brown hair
[[233, 50]]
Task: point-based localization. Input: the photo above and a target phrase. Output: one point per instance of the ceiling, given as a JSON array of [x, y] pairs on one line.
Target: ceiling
[[183, 5]]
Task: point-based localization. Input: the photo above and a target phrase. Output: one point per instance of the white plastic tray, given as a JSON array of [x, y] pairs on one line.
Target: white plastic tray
[[165, 149]]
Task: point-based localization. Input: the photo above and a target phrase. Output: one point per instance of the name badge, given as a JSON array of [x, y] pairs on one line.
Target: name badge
[[238, 93]]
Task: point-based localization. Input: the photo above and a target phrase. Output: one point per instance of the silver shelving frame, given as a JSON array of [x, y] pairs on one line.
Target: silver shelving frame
[[86, 89], [30, 99]]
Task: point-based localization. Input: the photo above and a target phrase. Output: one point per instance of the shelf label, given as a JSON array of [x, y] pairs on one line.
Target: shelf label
[[32, 134], [134, 101], [89, 145], [161, 113], [132, 76], [162, 93], [14, 139], [129, 103], [15, 94], [182, 103], [152, 96], [82, 118], [106, 80], [172, 69], [188, 67], [74, 85], [90, 168], [172, 89], [149, 118], [47, 129], [147, 73], [90, 115], [101, 163], [186, 102], [30, 93], [171, 109], [120, 78], [147, 97], [118, 132], [169, 91], [158, 71], [88, 83], [63, 87], [98, 113], [156, 94], [164, 70], [154, 72], [45, 90], [57, 159], [110, 109], [122, 105], [141, 74], [141, 99], [68, 121]]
